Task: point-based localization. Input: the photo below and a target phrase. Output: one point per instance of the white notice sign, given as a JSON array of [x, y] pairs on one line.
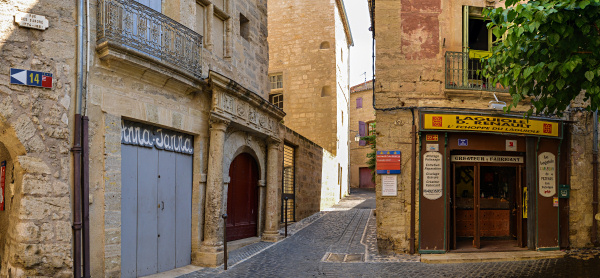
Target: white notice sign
[[31, 21], [546, 170], [389, 185], [432, 175]]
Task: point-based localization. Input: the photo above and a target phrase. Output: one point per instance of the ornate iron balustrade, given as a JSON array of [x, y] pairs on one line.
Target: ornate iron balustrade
[[136, 26], [464, 73]]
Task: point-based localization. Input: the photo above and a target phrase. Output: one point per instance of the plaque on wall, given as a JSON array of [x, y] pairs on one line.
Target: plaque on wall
[[546, 174], [432, 175], [389, 185]]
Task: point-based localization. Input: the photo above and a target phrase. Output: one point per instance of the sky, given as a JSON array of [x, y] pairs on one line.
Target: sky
[[361, 53]]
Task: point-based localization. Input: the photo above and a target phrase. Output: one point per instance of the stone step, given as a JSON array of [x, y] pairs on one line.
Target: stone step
[[450, 258]]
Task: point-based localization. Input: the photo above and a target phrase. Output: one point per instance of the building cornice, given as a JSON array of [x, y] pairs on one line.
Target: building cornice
[[344, 16]]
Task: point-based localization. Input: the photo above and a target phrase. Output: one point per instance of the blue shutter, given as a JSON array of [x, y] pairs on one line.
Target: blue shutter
[[362, 132]]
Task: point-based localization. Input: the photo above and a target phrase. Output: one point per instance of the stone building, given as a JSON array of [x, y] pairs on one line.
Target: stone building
[[470, 173], [309, 51], [35, 138], [362, 123]]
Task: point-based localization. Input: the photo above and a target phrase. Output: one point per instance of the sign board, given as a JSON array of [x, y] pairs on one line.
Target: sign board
[[389, 185], [30, 78], [142, 135], [546, 174], [490, 124], [564, 191], [388, 162], [487, 158], [432, 175], [431, 137], [511, 145], [2, 183], [433, 147], [31, 21], [555, 202], [463, 142]]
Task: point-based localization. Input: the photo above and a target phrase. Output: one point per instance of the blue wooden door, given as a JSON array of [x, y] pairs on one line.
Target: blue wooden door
[[156, 209]]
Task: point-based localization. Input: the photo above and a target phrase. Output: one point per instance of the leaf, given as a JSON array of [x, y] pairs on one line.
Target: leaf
[[584, 4], [589, 75], [553, 38], [527, 72], [560, 84]]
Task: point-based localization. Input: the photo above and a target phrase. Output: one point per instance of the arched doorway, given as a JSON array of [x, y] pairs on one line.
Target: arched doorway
[[242, 198]]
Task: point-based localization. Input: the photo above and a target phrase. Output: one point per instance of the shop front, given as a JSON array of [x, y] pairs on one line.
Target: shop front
[[490, 182]]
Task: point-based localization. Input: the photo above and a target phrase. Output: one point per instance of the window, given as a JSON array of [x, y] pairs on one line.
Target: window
[[325, 91], [244, 27], [276, 81], [200, 19], [324, 45], [359, 102], [477, 38], [371, 128], [218, 34], [277, 100], [153, 4]]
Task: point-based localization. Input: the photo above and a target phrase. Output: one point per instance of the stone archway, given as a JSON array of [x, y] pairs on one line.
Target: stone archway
[[35, 228]]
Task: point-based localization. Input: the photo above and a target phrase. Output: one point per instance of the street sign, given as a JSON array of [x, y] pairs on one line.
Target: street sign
[[31, 21], [30, 78], [388, 162]]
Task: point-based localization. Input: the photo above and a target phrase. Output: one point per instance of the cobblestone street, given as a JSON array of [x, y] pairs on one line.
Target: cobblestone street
[[341, 242]]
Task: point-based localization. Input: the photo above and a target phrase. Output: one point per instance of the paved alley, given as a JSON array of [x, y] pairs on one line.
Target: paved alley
[[341, 242]]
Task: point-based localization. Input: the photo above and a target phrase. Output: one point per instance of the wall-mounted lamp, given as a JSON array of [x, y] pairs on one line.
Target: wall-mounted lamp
[[497, 105]]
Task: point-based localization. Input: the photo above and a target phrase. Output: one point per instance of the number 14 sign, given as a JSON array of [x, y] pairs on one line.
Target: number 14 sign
[[30, 78]]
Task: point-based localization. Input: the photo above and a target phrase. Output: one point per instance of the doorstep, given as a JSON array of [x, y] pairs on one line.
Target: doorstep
[[450, 258]]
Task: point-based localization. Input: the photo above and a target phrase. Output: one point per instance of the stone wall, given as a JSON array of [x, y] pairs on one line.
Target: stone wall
[[35, 126]]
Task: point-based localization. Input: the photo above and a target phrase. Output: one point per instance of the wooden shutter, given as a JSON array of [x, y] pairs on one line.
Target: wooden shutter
[[359, 102], [362, 132]]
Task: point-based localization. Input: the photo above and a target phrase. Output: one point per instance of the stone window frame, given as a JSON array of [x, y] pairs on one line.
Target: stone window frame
[[223, 14]]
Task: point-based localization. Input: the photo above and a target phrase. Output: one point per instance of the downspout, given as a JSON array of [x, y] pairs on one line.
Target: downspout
[[413, 169], [77, 169], [594, 236]]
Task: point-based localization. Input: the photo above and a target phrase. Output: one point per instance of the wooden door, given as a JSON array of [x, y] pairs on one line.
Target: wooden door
[[242, 198], [366, 178]]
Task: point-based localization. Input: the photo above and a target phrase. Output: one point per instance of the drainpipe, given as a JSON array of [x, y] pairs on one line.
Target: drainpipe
[[594, 237], [413, 169]]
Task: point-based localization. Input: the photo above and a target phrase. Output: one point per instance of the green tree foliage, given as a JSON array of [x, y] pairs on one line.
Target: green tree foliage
[[549, 51]]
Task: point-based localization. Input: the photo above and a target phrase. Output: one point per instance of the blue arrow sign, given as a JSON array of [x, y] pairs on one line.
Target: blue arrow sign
[[30, 78]]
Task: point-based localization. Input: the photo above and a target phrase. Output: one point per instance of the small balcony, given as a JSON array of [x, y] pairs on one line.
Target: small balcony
[[465, 73], [132, 32]]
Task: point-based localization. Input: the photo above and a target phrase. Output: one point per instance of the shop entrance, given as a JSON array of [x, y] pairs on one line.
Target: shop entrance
[[486, 207]]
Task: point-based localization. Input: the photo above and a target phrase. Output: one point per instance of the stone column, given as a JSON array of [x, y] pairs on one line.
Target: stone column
[[211, 251], [273, 201]]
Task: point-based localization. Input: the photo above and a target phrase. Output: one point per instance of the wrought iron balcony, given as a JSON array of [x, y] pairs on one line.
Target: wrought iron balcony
[[135, 26], [464, 73]]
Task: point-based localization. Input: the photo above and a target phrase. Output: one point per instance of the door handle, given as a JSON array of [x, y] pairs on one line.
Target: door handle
[[163, 205]]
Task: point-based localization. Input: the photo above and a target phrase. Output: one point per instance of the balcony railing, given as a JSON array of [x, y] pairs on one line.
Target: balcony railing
[[136, 26], [465, 73]]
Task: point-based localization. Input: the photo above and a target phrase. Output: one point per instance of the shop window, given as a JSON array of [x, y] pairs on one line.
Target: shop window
[[244, 27], [277, 100]]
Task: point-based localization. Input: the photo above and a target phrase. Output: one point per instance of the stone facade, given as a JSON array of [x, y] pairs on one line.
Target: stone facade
[[412, 40], [365, 113], [35, 235], [311, 53], [224, 109]]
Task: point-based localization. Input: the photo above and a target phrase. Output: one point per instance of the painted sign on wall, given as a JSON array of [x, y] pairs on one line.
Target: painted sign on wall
[[546, 174], [490, 124], [432, 175], [487, 158], [2, 181], [388, 162], [133, 133]]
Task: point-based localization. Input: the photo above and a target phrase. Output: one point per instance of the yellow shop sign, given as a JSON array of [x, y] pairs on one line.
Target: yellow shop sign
[[490, 124]]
